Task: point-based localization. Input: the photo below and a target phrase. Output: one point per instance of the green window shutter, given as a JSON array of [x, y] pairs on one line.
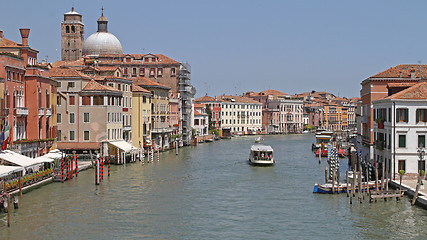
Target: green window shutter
[[424, 113], [398, 115], [421, 140], [402, 141], [406, 115]]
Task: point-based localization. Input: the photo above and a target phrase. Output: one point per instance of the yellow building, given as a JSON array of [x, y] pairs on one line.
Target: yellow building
[[160, 124], [141, 116]]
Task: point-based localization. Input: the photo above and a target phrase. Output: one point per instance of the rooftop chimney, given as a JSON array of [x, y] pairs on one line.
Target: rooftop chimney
[[1, 34], [25, 32]]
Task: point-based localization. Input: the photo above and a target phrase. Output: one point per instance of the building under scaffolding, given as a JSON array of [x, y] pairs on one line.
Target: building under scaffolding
[[187, 92]]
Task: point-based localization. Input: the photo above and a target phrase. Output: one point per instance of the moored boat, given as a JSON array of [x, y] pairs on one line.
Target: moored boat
[[342, 187], [261, 155], [322, 140]]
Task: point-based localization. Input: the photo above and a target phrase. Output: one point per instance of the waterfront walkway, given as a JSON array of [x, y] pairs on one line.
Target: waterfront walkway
[[410, 185]]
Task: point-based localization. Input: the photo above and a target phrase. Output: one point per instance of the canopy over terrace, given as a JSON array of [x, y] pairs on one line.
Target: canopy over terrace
[[11, 158], [124, 146], [8, 170], [120, 149], [50, 157]]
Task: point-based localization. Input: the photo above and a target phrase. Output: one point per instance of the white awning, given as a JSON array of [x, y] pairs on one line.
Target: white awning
[[50, 157], [7, 170], [125, 146], [13, 158]]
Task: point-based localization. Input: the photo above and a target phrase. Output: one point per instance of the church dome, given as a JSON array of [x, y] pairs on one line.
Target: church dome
[[102, 43]]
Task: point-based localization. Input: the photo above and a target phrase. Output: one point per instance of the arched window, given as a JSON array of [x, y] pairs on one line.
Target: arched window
[[73, 30], [67, 29]]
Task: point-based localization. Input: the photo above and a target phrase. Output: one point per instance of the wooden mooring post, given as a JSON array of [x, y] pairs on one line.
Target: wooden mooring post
[[326, 174], [333, 181], [360, 183], [8, 210], [376, 179], [346, 182], [414, 200]]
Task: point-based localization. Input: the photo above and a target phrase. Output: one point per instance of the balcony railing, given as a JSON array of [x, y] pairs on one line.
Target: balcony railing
[[48, 112], [21, 111]]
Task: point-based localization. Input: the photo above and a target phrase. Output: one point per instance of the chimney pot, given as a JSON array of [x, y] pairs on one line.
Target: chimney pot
[[1, 34], [25, 32]]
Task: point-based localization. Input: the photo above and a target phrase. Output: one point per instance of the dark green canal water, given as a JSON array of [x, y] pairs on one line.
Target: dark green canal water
[[211, 192]]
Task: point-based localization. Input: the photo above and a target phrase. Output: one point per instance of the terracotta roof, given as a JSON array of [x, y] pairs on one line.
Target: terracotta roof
[[78, 62], [272, 92], [136, 88], [199, 105], [7, 43], [78, 145], [196, 113], [404, 71], [65, 72], [146, 82], [94, 86], [205, 99], [107, 68], [162, 59], [336, 99], [355, 99], [237, 99], [406, 84], [418, 91]]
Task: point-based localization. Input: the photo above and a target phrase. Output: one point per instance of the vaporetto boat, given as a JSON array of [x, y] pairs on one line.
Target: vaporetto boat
[[261, 155]]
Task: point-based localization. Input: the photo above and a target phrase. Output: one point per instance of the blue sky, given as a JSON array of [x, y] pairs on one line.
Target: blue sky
[[241, 45]]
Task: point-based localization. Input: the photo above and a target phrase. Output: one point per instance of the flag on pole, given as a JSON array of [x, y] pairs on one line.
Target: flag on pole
[[5, 137]]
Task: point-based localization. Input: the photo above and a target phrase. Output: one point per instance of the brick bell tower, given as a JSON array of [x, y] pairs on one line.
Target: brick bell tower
[[72, 36]]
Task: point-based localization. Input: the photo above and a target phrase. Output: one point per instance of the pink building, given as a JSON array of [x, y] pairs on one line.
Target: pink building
[[27, 97], [215, 107]]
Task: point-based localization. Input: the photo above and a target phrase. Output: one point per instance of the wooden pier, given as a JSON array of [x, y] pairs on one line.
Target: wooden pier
[[385, 194]]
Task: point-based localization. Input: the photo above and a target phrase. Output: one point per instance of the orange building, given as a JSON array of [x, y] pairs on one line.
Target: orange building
[[335, 117]]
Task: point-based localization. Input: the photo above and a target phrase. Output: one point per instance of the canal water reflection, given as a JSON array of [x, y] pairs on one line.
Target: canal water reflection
[[210, 192]]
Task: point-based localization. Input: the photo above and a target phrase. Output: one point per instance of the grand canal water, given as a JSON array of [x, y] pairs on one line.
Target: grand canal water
[[210, 192]]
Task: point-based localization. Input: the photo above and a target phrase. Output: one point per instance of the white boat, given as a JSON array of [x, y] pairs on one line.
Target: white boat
[[259, 140], [261, 155]]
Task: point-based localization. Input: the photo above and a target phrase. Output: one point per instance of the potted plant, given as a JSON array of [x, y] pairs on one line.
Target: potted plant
[[401, 173]]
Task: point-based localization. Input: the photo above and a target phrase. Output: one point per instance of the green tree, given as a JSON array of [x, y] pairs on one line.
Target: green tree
[[209, 112]]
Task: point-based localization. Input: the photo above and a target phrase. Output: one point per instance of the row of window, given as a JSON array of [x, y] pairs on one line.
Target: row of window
[[14, 76], [97, 101], [421, 141], [402, 115], [72, 119], [233, 121], [243, 113], [229, 106], [72, 136], [115, 117], [151, 72]]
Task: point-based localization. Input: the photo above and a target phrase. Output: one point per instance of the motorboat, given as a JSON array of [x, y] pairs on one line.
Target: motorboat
[[261, 155], [259, 140]]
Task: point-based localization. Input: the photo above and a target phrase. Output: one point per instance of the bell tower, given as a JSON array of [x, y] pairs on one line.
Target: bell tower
[[72, 36]]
